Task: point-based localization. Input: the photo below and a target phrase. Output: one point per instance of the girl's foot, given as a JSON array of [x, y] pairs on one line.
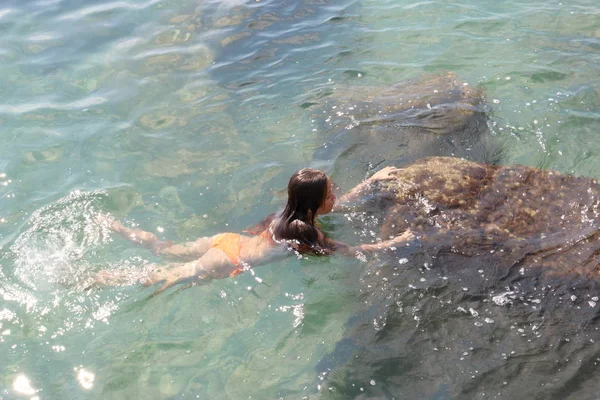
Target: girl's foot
[[109, 222], [158, 246]]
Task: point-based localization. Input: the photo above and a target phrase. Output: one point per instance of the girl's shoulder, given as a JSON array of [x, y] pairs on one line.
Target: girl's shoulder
[[264, 224], [310, 240]]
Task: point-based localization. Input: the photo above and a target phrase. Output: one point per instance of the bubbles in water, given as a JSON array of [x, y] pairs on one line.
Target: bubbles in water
[[361, 257], [58, 236], [51, 259], [296, 309], [504, 298]]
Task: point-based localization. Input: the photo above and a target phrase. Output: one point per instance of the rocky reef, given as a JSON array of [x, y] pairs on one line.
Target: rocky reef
[[497, 295], [435, 115]]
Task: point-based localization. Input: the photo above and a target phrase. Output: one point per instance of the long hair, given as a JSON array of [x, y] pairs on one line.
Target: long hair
[[307, 190]]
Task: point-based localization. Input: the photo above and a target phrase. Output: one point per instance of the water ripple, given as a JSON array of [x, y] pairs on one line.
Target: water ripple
[[105, 8], [204, 109], [76, 105]]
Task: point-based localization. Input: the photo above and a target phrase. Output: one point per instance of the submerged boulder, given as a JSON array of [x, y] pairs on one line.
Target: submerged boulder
[[432, 116], [502, 275], [467, 205]]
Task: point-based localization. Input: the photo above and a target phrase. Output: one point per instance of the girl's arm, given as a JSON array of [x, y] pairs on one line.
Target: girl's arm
[[396, 241], [371, 247], [386, 173]]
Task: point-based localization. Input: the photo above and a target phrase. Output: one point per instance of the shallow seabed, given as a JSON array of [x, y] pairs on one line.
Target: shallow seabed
[[187, 118]]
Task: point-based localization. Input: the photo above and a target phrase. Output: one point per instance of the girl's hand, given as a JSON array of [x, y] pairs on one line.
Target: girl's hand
[[109, 222], [158, 246], [405, 237], [388, 173], [385, 174]]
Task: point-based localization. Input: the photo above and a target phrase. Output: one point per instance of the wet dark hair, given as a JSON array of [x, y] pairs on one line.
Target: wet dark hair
[[307, 190]]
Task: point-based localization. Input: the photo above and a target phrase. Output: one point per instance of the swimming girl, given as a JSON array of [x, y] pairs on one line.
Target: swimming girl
[[310, 194]]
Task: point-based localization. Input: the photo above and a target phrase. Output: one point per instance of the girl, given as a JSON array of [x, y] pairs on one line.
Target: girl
[[310, 194]]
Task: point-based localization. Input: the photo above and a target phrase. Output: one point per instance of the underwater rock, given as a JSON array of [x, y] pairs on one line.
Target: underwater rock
[[192, 93], [52, 154], [203, 58], [503, 275], [165, 118], [156, 122], [179, 19], [169, 197], [173, 164], [263, 21], [121, 200], [170, 385], [169, 205], [233, 38], [184, 162], [470, 206], [193, 227], [172, 37], [161, 63], [235, 17], [431, 116]]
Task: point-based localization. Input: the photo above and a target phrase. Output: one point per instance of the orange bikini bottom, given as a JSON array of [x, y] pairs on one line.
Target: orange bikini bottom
[[229, 244]]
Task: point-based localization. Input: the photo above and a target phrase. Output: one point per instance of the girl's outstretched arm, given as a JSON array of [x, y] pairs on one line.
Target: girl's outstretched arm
[[374, 247], [399, 240], [353, 194]]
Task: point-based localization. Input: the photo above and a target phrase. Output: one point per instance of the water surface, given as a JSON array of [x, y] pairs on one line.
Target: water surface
[[187, 118]]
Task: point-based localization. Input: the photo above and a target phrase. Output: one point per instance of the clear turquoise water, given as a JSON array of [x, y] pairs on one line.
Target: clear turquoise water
[[188, 117]]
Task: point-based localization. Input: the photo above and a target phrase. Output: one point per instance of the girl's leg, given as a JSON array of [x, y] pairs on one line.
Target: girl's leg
[[212, 265], [188, 250], [146, 239], [149, 275]]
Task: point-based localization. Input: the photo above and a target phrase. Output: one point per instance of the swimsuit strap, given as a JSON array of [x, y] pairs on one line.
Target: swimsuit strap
[[236, 271], [267, 234]]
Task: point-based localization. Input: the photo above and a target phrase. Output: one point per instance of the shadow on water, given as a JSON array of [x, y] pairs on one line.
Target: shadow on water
[[467, 328], [497, 296], [435, 115]]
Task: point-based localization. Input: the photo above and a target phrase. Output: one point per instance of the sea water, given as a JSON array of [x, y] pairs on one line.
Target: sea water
[[186, 118]]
